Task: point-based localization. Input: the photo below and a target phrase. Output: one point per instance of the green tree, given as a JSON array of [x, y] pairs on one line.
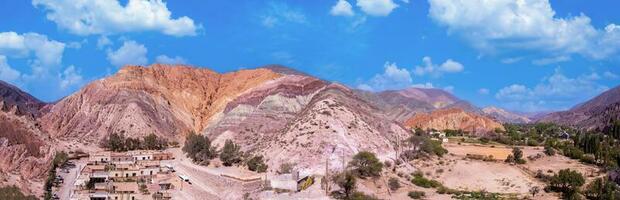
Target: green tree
[[347, 182], [366, 164], [602, 189], [567, 181], [257, 164], [231, 153]]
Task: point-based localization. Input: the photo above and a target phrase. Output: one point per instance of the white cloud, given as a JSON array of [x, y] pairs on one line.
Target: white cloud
[[88, 17], [164, 59], [423, 85], [103, 41], [131, 53], [280, 13], [483, 91], [7, 73], [610, 75], [47, 52], [551, 60], [526, 25], [393, 77], [342, 8], [46, 77], [511, 60], [554, 92], [70, 77], [449, 66], [377, 7]]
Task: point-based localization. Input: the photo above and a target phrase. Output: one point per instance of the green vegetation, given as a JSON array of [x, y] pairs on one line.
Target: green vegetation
[[118, 142], [231, 153], [601, 189], [394, 184], [366, 164], [568, 182], [420, 180], [60, 158], [346, 181], [516, 156], [13, 193], [199, 148], [257, 164], [420, 144], [416, 194]]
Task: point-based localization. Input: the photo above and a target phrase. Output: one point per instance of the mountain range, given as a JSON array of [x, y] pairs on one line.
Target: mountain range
[[283, 114]]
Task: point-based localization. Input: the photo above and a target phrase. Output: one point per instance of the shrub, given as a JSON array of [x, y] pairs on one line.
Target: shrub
[[285, 168], [393, 183], [346, 181], [549, 150], [199, 148], [416, 194], [231, 153], [257, 164], [419, 180], [13, 192], [366, 164], [566, 181]]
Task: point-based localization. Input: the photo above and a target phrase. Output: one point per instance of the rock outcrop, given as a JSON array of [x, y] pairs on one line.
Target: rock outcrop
[[166, 100], [455, 119], [25, 151]]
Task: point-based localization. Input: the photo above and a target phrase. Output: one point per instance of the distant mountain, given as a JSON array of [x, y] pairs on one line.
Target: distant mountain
[[401, 105], [505, 116], [592, 114], [24, 149], [453, 118]]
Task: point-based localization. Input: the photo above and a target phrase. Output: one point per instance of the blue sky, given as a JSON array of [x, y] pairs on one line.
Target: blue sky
[[523, 55]]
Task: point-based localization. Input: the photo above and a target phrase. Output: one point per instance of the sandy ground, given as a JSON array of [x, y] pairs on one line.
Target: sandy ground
[[66, 189], [552, 164]]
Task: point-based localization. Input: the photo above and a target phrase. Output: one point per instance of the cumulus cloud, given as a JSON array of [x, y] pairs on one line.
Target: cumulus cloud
[[7, 73], [449, 66], [342, 8], [131, 53], [377, 7], [103, 41], [526, 25], [164, 59], [393, 77], [554, 92], [610, 75], [551, 60], [70, 76], [46, 77], [47, 52], [88, 17], [280, 13], [483, 91]]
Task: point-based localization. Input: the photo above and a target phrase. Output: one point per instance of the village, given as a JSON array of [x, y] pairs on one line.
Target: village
[[160, 174]]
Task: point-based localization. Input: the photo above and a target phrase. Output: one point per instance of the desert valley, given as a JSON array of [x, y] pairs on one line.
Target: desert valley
[[276, 133]]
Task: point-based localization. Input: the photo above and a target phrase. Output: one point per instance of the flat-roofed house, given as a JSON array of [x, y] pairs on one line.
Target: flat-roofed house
[[124, 190], [121, 158], [162, 156], [99, 157]]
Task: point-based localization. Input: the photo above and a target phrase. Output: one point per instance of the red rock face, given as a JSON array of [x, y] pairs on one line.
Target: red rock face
[[25, 153], [161, 99], [453, 118]]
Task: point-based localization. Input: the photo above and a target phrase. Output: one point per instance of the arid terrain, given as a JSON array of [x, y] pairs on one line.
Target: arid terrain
[[284, 116]]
